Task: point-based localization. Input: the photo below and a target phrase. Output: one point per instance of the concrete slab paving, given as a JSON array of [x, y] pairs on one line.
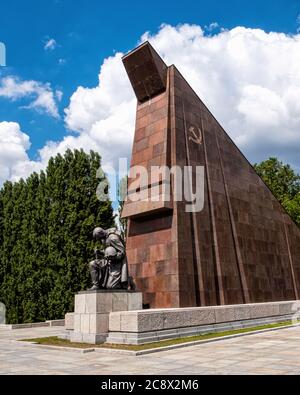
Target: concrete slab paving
[[272, 353]]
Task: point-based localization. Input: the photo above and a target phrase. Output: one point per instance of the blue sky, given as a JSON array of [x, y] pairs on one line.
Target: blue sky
[[82, 34]]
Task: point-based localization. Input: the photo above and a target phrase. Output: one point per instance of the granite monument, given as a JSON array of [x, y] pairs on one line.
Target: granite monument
[[242, 247]]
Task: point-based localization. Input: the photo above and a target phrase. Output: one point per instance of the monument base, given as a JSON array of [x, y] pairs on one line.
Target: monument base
[[148, 326], [92, 310]]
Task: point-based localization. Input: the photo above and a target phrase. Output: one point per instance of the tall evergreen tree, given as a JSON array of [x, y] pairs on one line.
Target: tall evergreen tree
[[46, 225]]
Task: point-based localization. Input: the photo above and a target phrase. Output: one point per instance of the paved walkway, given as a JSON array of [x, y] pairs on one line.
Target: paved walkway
[[276, 352]]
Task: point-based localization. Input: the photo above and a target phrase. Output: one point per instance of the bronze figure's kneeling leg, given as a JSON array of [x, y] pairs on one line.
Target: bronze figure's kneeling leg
[[95, 272]]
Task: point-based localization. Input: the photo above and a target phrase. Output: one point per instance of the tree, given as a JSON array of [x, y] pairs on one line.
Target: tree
[[284, 183], [46, 225]]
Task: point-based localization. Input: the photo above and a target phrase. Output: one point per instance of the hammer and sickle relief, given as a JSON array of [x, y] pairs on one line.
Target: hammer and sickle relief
[[196, 138]]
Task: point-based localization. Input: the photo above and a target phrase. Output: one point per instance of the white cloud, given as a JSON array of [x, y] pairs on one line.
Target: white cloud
[[2, 54], [212, 26], [249, 79], [105, 114], [59, 94], [14, 161], [42, 96], [50, 45]]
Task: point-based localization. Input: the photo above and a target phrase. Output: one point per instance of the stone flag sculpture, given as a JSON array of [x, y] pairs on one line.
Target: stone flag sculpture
[[239, 246]]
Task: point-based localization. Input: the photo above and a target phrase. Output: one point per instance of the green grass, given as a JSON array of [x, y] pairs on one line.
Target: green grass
[[55, 341]]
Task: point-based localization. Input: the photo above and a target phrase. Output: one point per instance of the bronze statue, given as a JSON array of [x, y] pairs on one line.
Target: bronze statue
[[109, 269]]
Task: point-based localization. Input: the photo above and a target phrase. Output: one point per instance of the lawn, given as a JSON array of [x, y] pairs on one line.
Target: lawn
[[55, 341]]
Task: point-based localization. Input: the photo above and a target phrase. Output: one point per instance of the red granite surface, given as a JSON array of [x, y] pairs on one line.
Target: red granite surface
[[242, 247]]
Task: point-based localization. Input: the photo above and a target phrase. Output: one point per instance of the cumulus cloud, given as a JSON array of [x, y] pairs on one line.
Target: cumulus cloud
[[59, 94], [249, 79], [41, 95], [105, 114], [50, 45], [14, 161], [212, 26]]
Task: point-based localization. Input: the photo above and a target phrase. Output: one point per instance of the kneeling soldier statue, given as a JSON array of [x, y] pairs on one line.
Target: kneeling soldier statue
[[109, 270]]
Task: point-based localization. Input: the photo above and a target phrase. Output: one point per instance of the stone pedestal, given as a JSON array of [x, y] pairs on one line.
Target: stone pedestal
[[69, 321], [92, 309], [149, 326]]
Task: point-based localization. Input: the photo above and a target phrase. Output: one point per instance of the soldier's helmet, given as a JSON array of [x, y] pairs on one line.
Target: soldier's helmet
[[110, 252], [99, 234]]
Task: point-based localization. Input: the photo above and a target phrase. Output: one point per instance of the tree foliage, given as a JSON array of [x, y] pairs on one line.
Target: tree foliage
[[46, 225], [284, 183]]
